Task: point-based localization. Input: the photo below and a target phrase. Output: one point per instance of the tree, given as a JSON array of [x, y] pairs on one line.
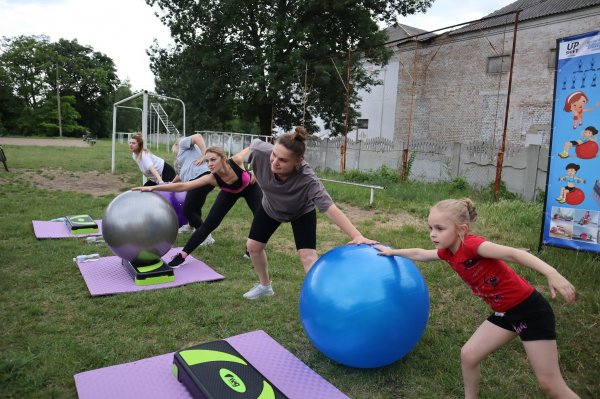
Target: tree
[[32, 67], [255, 58], [91, 78], [128, 119], [10, 106], [25, 60], [204, 92], [46, 116]]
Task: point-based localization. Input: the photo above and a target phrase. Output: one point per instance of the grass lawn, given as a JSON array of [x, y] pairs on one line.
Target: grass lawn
[[52, 329]]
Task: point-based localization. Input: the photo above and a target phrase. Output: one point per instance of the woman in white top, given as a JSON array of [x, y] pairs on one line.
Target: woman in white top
[[154, 168]]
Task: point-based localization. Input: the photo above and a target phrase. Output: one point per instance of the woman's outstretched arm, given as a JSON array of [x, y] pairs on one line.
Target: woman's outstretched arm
[[177, 187]]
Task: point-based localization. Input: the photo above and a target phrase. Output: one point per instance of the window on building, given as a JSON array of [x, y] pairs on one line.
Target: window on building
[[552, 58], [499, 64]]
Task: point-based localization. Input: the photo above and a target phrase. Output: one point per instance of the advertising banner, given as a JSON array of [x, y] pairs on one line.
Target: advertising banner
[[572, 205]]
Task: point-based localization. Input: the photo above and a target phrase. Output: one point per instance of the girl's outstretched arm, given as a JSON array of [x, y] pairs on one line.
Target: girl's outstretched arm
[[556, 281], [176, 187], [416, 254]]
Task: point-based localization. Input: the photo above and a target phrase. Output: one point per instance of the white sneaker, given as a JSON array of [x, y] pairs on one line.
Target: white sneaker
[[186, 228], [208, 240], [259, 290]]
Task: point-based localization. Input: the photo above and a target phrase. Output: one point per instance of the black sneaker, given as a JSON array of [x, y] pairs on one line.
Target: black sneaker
[[176, 261], [247, 255]]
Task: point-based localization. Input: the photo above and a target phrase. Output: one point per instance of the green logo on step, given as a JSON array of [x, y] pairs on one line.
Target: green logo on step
[[232, 381]]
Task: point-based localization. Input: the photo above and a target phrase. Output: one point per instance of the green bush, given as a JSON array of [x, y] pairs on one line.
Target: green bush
[[384, 176], [488, 192], [459, 184]]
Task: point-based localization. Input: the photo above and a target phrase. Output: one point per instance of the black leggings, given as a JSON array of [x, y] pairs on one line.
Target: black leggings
[[194, 201], [223, 203], [304, 228], [168, 174]]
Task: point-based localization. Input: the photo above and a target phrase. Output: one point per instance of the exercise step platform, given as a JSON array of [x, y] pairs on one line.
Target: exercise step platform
[[157, 273], [215, 370], [81, 224]]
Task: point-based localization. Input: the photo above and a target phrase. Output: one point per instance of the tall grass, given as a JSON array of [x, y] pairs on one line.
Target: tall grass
[[52, 329]]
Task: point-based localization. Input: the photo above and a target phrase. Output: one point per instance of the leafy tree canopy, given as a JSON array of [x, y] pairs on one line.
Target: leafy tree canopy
[[129, 115], [32, 69], [279, 62]]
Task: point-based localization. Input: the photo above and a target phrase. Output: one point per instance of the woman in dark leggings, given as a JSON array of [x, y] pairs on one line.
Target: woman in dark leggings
[[235, 183], [189, 154], [292, 193]]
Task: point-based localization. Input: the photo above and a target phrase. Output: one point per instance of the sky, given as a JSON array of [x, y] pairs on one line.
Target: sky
[[125, 29]]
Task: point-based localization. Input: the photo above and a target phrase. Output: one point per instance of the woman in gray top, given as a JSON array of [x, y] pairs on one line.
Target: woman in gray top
[[291, 192], [189, 153]]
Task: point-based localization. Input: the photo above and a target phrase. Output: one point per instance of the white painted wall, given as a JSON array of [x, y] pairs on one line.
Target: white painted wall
[[378, 105]]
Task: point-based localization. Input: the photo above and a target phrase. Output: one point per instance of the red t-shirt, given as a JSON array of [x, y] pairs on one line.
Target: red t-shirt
[[490, 279]]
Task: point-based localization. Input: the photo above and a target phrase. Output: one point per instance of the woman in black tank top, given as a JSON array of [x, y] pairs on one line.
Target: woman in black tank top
[[235, 183]]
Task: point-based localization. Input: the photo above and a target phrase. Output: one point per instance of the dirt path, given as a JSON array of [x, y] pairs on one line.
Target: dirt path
[[91, 182], [42, 142], [99, 184]]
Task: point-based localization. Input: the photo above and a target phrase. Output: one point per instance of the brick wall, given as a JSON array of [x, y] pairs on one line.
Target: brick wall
[[454, 98]]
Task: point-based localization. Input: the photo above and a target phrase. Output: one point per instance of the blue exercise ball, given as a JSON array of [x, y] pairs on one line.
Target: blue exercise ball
[[361, 309]]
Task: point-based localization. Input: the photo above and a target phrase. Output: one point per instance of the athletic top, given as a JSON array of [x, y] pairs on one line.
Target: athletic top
[[286, 200], [187, 155], [243, 179], [490, 279], [146, 160]]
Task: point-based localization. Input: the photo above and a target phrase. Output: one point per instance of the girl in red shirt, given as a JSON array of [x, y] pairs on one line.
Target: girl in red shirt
[[518, 309]]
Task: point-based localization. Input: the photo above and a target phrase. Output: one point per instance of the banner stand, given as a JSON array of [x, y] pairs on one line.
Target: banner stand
[[572, 203]]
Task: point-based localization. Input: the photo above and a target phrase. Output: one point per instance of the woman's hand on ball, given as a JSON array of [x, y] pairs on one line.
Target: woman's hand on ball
[[142, 188], [362, 240]]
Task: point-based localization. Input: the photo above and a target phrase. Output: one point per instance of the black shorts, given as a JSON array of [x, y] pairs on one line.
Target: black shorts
[[532, 319], [304, 228]]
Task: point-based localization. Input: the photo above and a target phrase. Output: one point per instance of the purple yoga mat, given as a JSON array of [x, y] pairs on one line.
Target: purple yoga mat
[[108, 276], [45, 229], [152, 378]]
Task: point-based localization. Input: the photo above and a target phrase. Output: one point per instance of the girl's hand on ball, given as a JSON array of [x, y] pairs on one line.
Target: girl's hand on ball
[[383, 250]]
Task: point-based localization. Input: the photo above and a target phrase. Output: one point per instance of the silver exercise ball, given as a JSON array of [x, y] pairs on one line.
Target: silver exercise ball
[[140, 226]]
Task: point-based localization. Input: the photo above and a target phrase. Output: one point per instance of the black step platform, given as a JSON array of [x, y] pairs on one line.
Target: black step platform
[[157, 273], [81, 224], [215, 370]]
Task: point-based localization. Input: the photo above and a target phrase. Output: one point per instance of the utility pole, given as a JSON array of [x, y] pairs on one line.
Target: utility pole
[[500, 160], [58, 102]]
